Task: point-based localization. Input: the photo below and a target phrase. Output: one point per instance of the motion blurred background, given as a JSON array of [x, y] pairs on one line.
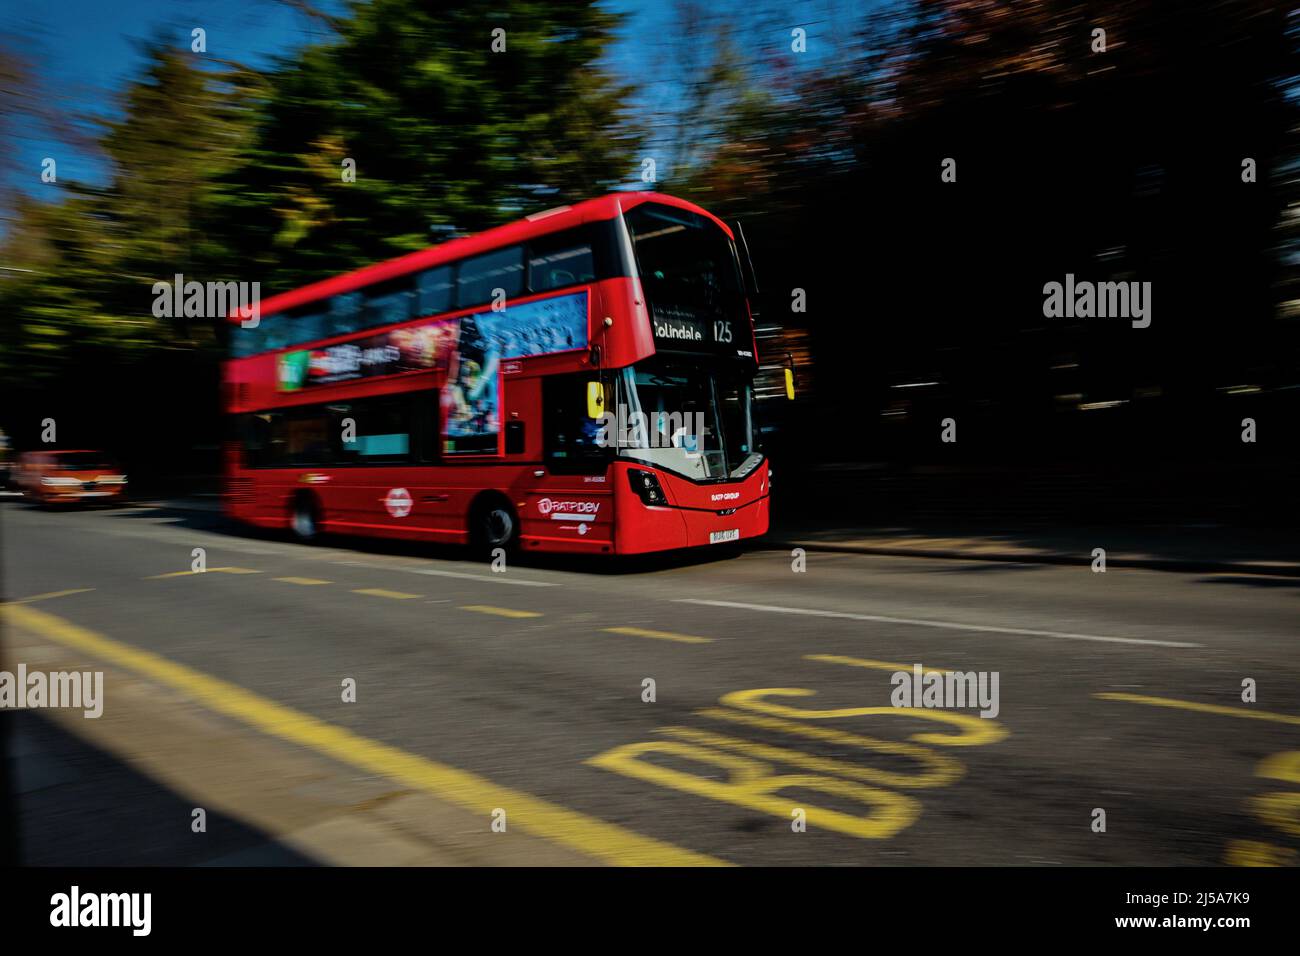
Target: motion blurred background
[[923, 297]]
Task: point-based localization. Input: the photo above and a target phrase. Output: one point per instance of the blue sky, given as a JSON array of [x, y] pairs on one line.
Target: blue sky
[[83, 51]]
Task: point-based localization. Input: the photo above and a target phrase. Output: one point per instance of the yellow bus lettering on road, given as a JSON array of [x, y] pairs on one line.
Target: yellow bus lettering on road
[[1284, 766], [976, 731], [1281, 811], [1255, 853], [753, 784], [941, 770]]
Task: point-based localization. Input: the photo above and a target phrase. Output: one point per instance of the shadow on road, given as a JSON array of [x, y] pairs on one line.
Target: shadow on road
[[1253, 581], [76, 805]]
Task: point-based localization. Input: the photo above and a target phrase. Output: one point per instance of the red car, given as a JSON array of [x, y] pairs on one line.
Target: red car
[[69, 477]]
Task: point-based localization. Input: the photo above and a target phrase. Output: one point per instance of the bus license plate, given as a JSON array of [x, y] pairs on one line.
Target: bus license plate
[[717, 537]]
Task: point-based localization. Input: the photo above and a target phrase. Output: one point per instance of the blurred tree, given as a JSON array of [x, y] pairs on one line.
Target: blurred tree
[[82, 268], [445, 134], [1122, 163], [220, 173]]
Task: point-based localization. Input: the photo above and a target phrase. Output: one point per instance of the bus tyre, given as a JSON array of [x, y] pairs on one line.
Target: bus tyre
[[493, 524], [304, 520]]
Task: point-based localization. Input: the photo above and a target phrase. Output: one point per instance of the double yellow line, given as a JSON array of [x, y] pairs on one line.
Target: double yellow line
[[605, 841]]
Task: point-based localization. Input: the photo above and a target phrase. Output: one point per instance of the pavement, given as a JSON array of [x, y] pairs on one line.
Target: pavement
[[1185, 547], [363, 702]]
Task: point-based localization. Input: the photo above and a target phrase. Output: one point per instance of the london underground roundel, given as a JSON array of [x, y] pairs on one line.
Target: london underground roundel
[[398, 502]]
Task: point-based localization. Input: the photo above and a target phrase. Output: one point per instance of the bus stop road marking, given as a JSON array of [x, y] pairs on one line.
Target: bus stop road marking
[[949, 625], [499, 611], [49, 595], [1219, 709], [1256, 853], [658, 635], [380, 592], [302, 580], [607, 842]]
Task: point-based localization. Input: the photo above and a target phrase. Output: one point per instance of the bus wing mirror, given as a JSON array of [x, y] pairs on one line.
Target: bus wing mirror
[[789, 376], [595, 400]]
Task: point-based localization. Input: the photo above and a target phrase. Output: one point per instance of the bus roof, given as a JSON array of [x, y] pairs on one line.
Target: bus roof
[[538, 224]]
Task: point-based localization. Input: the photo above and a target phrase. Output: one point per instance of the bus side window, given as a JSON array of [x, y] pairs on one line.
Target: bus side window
[[379, 429], [342, 426], [481, 276], [275, 330], [560, 260], [434, 291], [304, 324], [389, 302], [308, 438], [246, 341], [264, 440], [345, 313]]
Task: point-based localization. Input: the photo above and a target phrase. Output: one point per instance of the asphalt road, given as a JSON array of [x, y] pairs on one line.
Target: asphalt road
[[517, 699]]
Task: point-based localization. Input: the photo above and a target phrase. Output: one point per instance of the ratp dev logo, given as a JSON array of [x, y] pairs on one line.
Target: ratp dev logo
[[567, 510]]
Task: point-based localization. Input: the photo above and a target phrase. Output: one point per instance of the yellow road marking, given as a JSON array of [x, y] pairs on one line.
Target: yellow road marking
[[1202, 708], [1281, 811], [976, 731], [302, 580], [858, 662], [1255, 853], [182, 574], [380, 592], [752, 784], [1284, 766], [501, 611], [941, 769], [659, 635], [590, 835], [947, 770], [50, 594]]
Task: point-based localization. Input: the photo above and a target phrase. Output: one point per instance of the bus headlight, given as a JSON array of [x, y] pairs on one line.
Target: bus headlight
[[646, 486]]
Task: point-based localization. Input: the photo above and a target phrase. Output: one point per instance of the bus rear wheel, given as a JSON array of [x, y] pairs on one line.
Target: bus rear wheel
[[304, 521], [493, 525]]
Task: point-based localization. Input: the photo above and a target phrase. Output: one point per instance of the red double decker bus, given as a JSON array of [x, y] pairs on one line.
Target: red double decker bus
[[577, 381]]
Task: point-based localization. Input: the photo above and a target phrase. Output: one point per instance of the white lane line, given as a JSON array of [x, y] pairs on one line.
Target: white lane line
[[950, 625], [493, 578], [211, 540], [220, 542]]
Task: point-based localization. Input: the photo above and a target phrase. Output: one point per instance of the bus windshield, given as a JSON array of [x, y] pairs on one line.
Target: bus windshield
[[684, 260], [689, 418]]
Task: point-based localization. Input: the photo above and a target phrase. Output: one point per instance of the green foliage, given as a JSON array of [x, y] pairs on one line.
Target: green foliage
[[221, 173], [445, 134], [81, 269]]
